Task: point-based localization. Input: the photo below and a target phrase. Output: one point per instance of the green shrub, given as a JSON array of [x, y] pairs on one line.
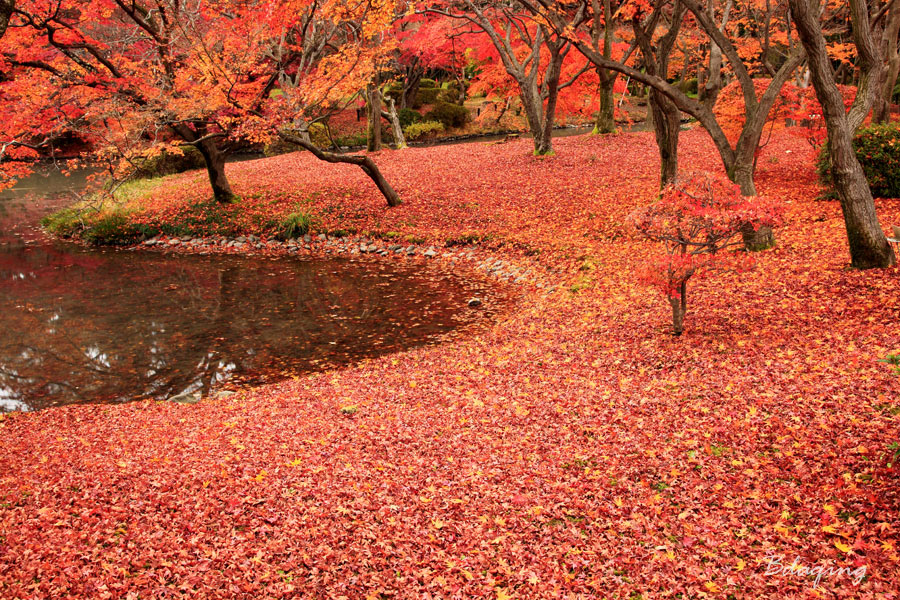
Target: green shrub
[[428, 83], [166, 163], [407, 117], [451, 115], [294, 225], [426, 96], [424, 129], [878, 150], [450, 96]]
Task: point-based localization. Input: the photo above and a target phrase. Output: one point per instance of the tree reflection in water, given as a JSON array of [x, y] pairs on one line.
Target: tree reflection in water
[[112, 326]]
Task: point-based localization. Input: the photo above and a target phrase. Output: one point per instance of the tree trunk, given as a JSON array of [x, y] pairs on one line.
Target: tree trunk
[[869, 247], [679, 309], [391, 115], [882, 109], [606, 121], [215, 169], [413, 77], [6, 11], [667, 128], [551, 93], [762, 238], [364, 162], [373, 136]]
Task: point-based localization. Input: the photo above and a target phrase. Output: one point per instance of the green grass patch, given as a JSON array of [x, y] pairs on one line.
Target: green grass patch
[[294, 225]]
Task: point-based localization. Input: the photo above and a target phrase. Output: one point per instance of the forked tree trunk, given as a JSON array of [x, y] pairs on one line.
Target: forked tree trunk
[[869, 247], [363, 162]]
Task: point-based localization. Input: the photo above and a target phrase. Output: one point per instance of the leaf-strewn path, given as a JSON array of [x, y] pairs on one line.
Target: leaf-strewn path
[[574, 450]]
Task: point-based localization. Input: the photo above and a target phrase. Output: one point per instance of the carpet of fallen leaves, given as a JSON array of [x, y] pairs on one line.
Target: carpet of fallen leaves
[[574, 449]]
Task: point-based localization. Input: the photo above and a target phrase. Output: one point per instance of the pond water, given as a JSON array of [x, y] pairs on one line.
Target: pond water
[[84, 325]]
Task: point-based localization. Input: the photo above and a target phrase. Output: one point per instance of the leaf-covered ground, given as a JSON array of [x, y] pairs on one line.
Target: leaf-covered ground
[[573, 450]]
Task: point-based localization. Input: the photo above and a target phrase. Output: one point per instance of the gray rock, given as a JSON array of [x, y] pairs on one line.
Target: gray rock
[[187, 398], [151, 242], [322, 237], [473, 302], [174, 242], [307, 238], [252, 238], [430, 253], [241, 239], [373, 248]]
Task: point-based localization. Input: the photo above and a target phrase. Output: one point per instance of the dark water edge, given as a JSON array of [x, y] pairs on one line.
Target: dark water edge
[[80, 325]]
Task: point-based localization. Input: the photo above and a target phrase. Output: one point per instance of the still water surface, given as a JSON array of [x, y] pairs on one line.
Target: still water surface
[[84, 325]]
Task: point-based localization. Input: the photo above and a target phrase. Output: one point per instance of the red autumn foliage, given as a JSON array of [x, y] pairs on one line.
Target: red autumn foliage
[[571, 450], [699, 218]]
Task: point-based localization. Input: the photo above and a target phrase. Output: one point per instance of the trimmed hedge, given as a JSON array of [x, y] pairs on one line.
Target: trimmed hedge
[[419, 130], [426, 96], [878, 150], [407, 117], [451, 115]]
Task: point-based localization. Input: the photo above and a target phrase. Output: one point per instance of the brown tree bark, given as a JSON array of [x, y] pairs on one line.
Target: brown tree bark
[[606, 121], [6, 11], [373, 104], [679, 309], [215, 169], [666, 115], [869, 247], [213, 157], [889, 40], [363, 162]]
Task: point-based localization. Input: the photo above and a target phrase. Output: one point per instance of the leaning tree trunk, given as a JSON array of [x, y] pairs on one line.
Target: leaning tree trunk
[[363, 162], [869, 247]]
